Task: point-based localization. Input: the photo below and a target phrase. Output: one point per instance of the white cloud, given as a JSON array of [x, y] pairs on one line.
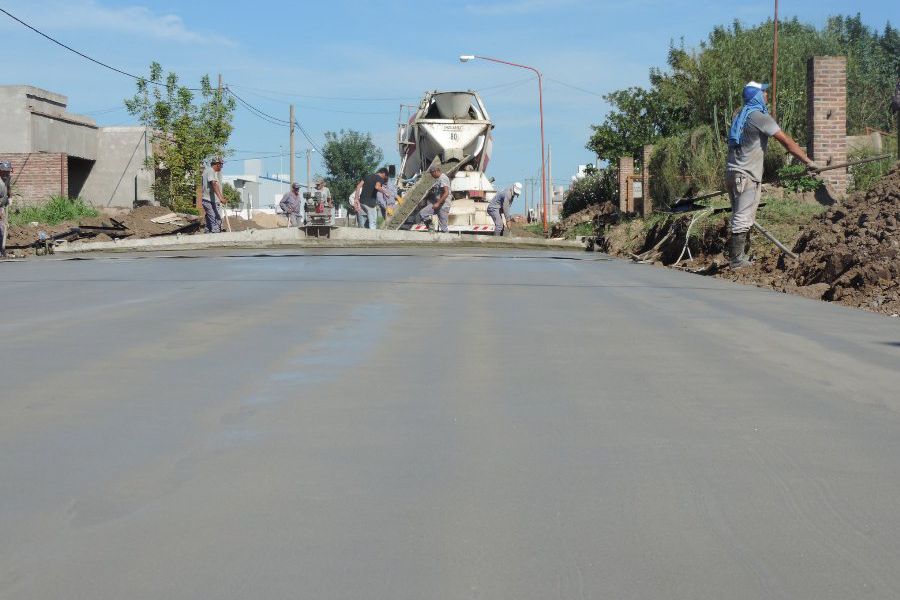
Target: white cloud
[[135, 20]]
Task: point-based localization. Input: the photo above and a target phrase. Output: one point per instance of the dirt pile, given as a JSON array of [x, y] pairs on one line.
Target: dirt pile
[[849, 254], [854, 248], [607, 212]]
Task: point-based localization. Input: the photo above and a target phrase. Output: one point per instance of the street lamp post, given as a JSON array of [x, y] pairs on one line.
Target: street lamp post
[[470, 57]]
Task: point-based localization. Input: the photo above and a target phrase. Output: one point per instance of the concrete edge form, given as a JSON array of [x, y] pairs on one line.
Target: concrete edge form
[[292, 237]]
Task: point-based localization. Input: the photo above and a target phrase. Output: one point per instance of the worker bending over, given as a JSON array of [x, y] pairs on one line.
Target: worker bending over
[[500, 204], [747, 142], [439, 200]]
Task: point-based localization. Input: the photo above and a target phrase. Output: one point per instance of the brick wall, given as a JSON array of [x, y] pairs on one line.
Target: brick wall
[[826, 117], [38, 176], [626, 169], [646, 154]]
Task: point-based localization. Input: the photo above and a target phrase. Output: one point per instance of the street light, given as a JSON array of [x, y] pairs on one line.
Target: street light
[[464, 58]]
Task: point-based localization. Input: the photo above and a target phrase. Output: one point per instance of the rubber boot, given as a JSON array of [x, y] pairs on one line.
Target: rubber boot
[[736, 251]]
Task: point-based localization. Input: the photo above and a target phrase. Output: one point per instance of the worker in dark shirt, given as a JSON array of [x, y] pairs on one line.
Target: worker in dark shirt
[[365, 198]]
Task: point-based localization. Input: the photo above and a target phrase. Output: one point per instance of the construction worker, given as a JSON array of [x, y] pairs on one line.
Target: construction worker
[[439, 199], [747, 142], [323, 194], [5, 193], [387, 199], [292, 206], [365, 198], [213, 201], [499, 206]]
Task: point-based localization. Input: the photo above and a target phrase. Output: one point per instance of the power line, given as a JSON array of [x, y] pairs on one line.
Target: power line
[[78, 52], [258, 112], [339, 98], [308, 139], [575, 87], [319, 108]]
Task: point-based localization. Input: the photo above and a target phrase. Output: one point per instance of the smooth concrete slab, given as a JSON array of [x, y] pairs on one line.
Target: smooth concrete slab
[[294, 237], [439, 422]]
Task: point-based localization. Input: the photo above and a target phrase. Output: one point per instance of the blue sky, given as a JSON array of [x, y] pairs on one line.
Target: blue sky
[[373, 55]]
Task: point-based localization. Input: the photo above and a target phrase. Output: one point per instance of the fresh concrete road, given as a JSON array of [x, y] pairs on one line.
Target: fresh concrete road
[[444, 423]]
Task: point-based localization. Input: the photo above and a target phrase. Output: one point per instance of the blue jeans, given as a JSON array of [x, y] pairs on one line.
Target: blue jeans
[[367, 214]]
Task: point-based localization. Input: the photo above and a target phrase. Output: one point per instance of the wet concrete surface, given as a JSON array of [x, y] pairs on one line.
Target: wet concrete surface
[[439, 424]]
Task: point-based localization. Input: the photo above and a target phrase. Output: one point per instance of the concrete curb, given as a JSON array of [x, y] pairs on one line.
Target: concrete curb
[[292, 237]]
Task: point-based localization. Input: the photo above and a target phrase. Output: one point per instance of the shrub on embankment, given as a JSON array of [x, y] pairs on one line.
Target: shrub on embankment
[[685, 164], [55, 211]]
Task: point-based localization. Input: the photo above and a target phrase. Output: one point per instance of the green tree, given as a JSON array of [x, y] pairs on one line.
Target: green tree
[[701, 87], [597, 187], [635, 119], [349, 156], [186, 129], [232, 196]]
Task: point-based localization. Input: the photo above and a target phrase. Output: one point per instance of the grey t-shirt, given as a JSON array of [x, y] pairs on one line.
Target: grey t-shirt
[[209, 176], [4, 194], [748, 157], [434, 194]]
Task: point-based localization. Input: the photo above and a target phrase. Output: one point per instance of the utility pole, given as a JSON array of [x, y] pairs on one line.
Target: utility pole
[[219, 175], [308, 183], [549, 179], [292, 145]]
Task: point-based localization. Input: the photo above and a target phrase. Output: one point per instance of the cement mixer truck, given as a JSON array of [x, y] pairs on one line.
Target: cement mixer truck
[[454, 129]]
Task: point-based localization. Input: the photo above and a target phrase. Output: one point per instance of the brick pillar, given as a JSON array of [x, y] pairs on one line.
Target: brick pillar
[[646, 154], [826, 116], [626, 170]]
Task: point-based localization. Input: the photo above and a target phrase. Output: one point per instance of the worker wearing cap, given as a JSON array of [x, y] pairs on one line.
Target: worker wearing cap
[[439, 199], [213, 201], [5, 193], [500, 204], [292, 206], [323, 194], [747, 142]]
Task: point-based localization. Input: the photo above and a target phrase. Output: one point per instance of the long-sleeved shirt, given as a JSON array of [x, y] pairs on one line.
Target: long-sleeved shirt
[[290, 203], [502, 200]]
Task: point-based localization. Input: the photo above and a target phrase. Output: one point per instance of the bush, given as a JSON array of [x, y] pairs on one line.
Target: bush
[[593, 189], [863, 177], [685, 164], [796, 179], [54, 212]]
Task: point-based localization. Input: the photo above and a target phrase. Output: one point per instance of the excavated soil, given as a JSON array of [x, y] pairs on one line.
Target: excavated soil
[[850, 254], [605, 212], [137, 223]]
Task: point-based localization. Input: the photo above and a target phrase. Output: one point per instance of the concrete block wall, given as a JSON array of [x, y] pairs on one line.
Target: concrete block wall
[[626, 170], [38, 176], [826, 117]]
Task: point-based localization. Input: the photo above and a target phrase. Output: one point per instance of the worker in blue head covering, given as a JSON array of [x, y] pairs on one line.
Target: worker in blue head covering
[[747, 142]]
